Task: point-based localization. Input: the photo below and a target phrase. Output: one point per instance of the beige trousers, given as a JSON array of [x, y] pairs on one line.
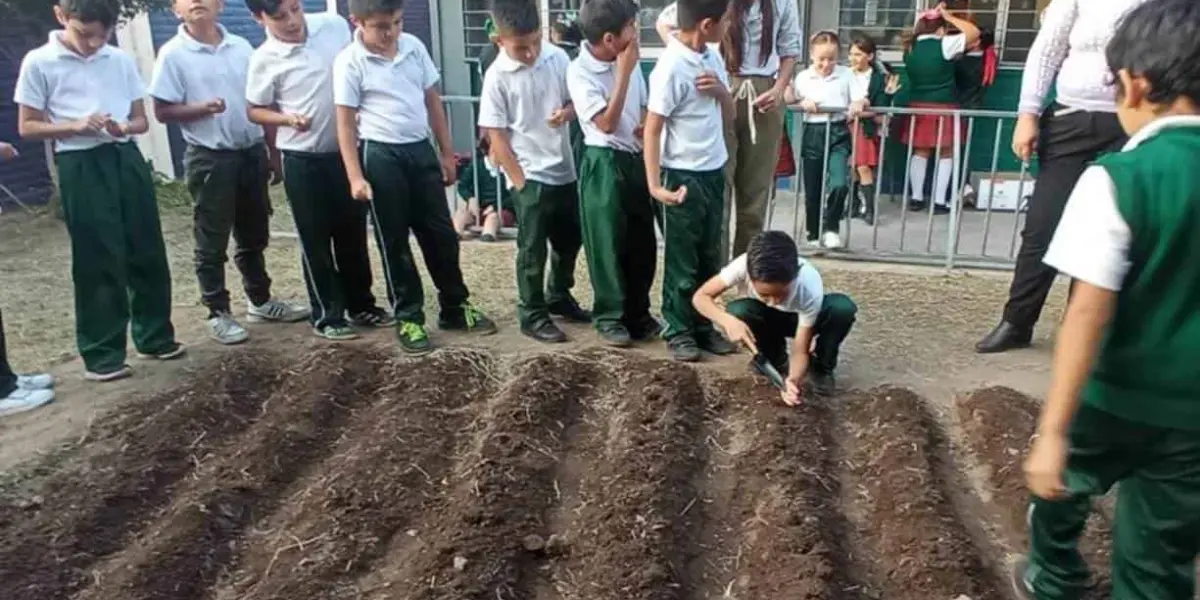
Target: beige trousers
[[750, 172]]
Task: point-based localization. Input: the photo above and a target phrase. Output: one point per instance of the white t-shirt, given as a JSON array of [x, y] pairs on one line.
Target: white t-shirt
[[834, 92], [189, 71], [805, 294], [692, 137], [953, 46], [69, 87], [298, 79], [591, 82], [521, 99], [389, 93]]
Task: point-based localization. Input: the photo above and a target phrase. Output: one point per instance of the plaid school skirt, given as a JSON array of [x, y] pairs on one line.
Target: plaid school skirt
[[866, 147], [923, 130]]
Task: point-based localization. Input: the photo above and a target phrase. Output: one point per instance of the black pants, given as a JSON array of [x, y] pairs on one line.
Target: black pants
[[229, 191], [8, 379], [333, 236], [547, 228], [409, 196], [1069, 142]]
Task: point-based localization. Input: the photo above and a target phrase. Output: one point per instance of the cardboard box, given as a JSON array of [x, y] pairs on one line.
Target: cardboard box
[[1005, 192]]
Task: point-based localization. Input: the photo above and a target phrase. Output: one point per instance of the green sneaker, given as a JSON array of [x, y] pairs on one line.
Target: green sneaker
[[413, 337], [468, 319], [336, 332]]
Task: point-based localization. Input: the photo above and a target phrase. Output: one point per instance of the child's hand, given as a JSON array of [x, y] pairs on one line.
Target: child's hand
[[809, 106], [299, 122], [858, 108], [360, 189], [8, 151], [739, 333], [473, 208], [1045, 465], [640, 130], [710, 85], [627, 60], [892, 85], [558, 118], [668, 197], [449, 169], [793, 390], [115, 129], [215, 107], [92, 124]]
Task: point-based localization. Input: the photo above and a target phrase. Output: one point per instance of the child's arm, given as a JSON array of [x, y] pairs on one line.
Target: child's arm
[[137, 123], [502, 153], [705, 303], [970, 33], [347, 98], [494, 119], [262, 101], [8, 151], [441, 132], [167, 91], [798, 365], [167, 112], [589, 97], [34, 124], [652, 142]]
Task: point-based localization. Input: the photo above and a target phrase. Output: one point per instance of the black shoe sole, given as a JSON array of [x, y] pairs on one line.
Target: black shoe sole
[[416, 351], [555, 339], [616, 342]]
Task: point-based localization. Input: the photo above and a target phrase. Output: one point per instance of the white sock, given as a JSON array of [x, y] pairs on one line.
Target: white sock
[[916, 175], [945, 170]]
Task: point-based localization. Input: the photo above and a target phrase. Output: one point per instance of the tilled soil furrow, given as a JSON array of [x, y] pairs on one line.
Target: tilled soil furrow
[[793, 536], [639, 511], [103, 493], [475, 543], [902, 516], [182, 554], [998, 424], [387, 470]]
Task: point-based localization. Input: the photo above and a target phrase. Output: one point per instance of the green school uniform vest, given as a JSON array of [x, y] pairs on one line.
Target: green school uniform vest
[[930, 75], [877, 96], [1148, 370]]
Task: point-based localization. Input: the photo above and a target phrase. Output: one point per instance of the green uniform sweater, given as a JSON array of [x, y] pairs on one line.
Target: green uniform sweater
[[1148, 370], [930, 75]]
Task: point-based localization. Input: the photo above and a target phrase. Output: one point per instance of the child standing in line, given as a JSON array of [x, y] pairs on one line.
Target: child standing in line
[[484, 193], [199, 82], [688, 107], [289, 87], [87, 96], [384, 86], [826, 92], [1124, 402], [875, 82], [609, 94], [566, 34], [526, 110], [783, 296], [929, 60]]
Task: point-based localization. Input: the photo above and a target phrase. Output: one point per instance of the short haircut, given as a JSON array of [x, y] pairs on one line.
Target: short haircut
[[263, 7], [690, 13], [104, 12], [863, 42], [772, 257], [823, 37], [516, 17], [361, 9], [1160, 41], [598, 17]]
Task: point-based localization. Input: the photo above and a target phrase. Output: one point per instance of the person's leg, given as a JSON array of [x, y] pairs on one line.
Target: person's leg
[[463, 220], [316, 216], [771, 329], [89, 184], [755, 174], [566, 240], [8, 379], [212, 180], [917, 167], [707, 188], [737, 135], [352, 257], [533, 231], [838, 177], [602, 188], [812, 153], [639, 257], [684, 227], [490, 230], [837, 317], [944, 175], [252, 224]]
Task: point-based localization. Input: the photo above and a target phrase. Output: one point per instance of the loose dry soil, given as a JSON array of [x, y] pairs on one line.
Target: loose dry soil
[[584, 475]]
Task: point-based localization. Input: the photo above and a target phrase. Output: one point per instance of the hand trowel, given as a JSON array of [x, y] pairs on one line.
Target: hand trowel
[[768, 370]]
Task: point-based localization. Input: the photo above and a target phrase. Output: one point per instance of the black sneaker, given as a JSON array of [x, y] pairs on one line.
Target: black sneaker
[[544, 331], [644, 329], [824, 384], [468, 319], [916, 205], [372, 318], [1018, 577], [939, 209], [413, 338], [570, 310], [715, 343], [683, 348], [615, 335]]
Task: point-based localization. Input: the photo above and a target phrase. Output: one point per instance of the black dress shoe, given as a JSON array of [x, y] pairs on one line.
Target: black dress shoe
[[615, 335], [544, 331], [916, 205], [1005, 337], [570, 310], [715, 343], [939, 209], [645, 328], [683, 348]]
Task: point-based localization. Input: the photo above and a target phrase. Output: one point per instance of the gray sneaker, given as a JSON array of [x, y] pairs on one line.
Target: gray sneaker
[[277, 311], [35, 381], [225, 330], [22, 400]]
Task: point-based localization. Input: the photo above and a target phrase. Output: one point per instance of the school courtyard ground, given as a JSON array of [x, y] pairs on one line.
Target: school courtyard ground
[[501, 469]]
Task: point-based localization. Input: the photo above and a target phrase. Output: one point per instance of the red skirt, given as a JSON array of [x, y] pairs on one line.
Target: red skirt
[[923, 130], [866, 147]]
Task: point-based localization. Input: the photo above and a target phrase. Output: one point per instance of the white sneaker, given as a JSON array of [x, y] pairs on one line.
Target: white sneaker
[[277, 311], [831, 240], [814, 243], [22, 400], [122, 373], [225, 330], [36, 381]]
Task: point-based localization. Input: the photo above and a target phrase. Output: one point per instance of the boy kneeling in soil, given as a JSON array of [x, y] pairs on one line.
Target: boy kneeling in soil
[[1124, 401], [785, 294]]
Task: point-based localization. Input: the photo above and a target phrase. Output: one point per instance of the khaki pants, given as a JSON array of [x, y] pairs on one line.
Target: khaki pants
[[750, 172]]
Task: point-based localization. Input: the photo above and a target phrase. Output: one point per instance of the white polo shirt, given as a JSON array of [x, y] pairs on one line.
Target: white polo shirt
[[69, 87], [389, 93], [693, 138], [190, 71], [591, 82], [298, 79], [835, 92], [521, 99], [806, 293]]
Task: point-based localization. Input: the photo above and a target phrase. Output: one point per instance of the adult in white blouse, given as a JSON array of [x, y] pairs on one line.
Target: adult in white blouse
[[760, 50], [1073, 131]]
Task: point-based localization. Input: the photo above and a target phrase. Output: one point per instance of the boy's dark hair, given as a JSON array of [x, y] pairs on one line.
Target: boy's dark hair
[[987, 38], [1160, 41], [691, 12], [569, 31], [598, 17], [263, 7], [516, 17], [104, 12], [771, 257], [361, 9], [863, 42]]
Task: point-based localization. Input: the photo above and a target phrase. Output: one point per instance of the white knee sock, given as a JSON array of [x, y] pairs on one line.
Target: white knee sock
[[916, 174], [945, 170]]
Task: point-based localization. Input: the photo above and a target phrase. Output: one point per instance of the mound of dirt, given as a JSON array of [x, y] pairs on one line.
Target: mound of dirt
[[352, 473]]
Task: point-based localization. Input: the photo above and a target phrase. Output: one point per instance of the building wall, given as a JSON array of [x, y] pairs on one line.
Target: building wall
[[26, 177]]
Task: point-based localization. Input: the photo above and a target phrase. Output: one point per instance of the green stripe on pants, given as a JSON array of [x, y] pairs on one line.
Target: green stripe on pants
[[118, 259], [546, 214], [771, 328], [693, 239], [617, 218]]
